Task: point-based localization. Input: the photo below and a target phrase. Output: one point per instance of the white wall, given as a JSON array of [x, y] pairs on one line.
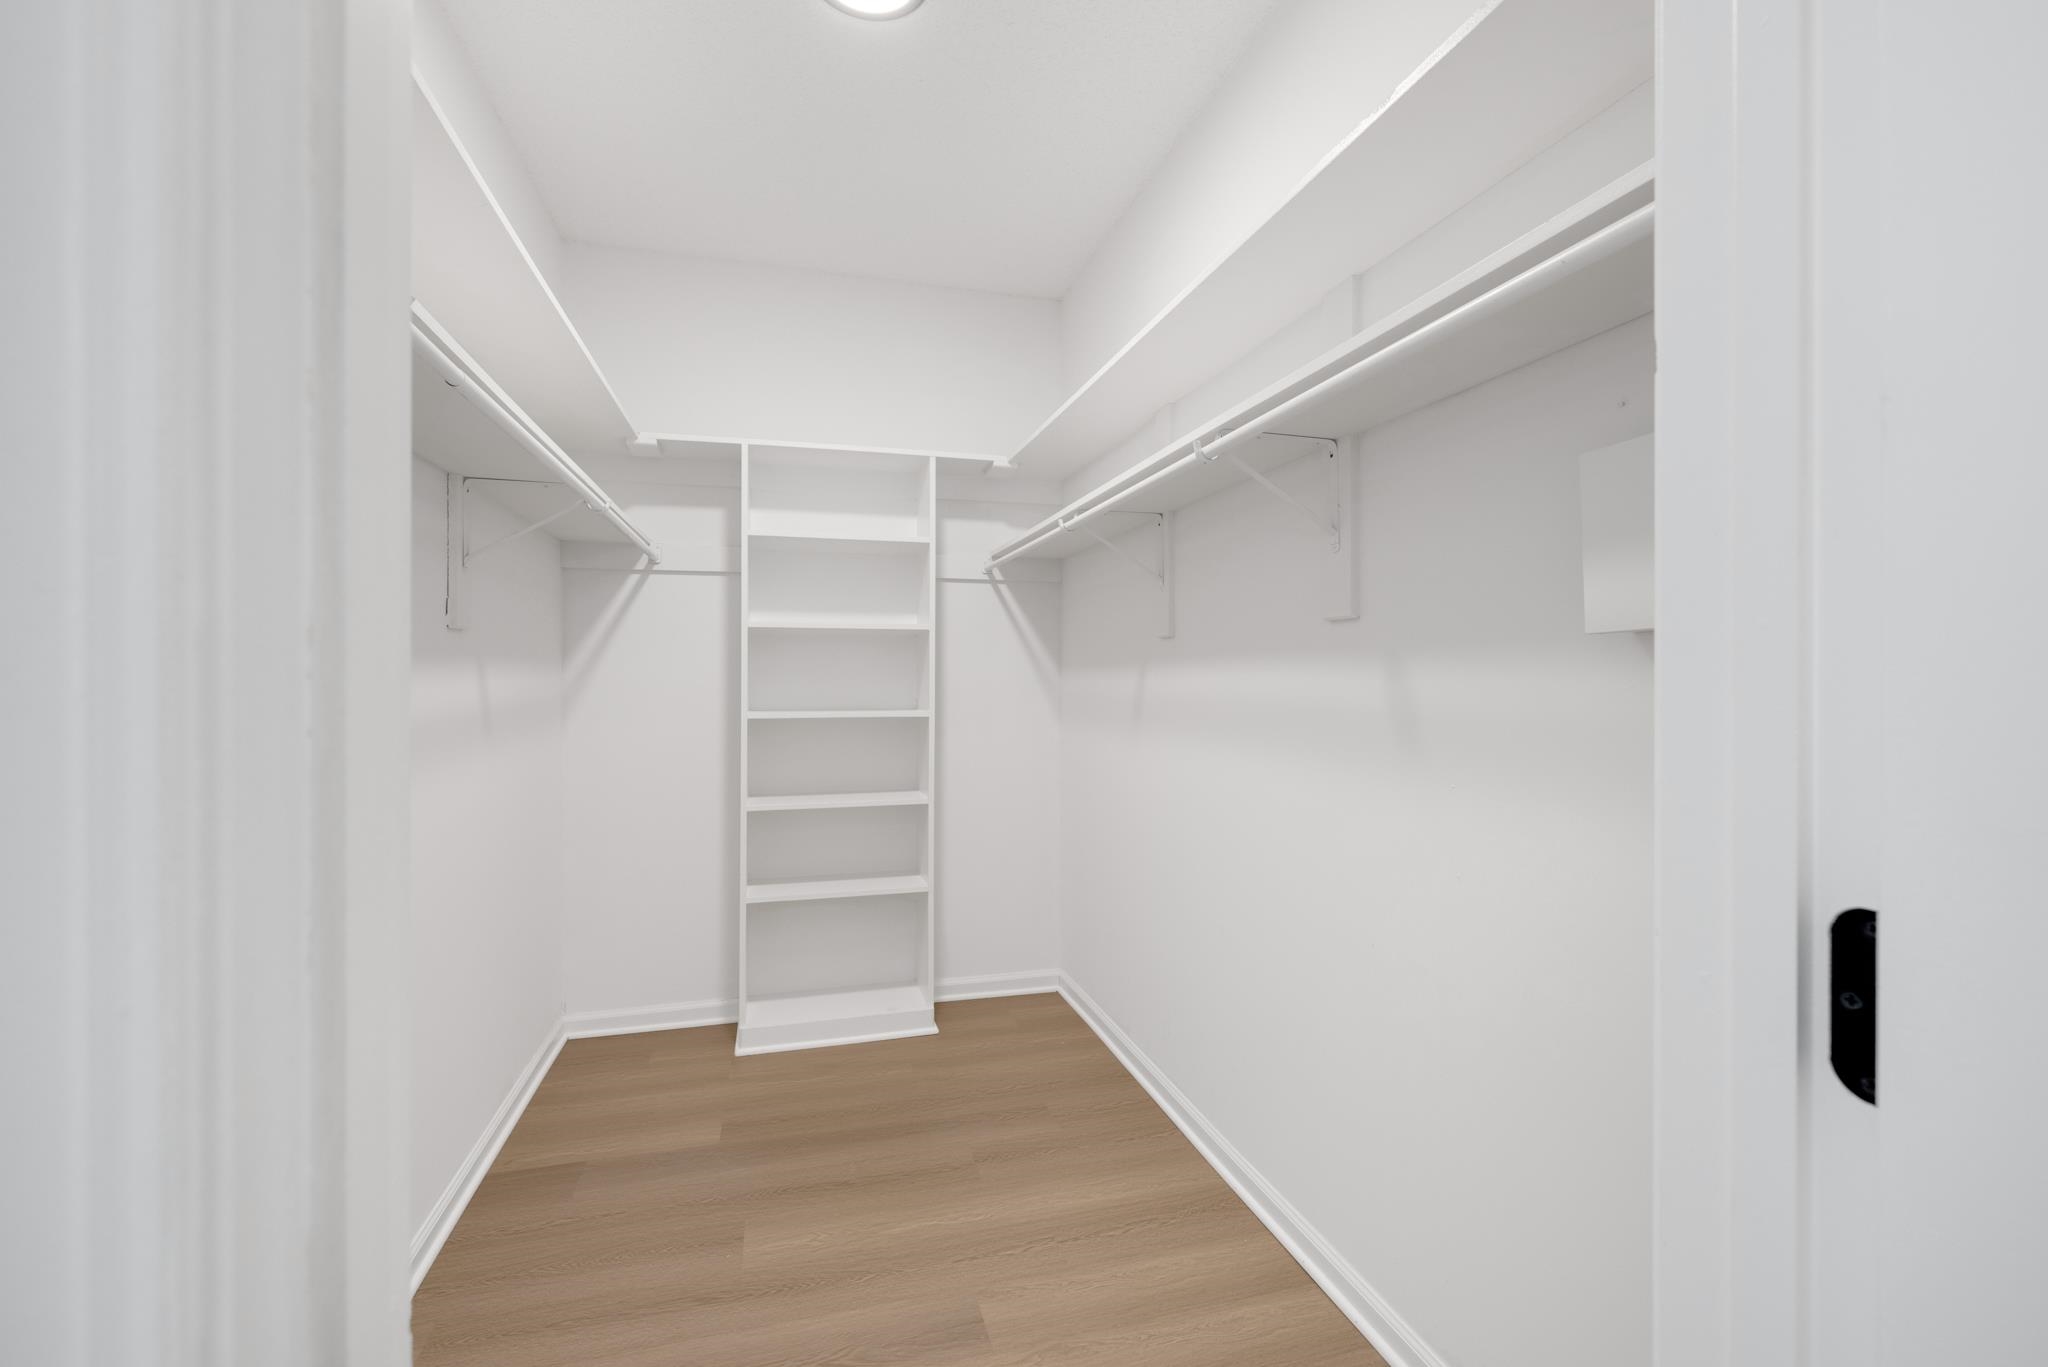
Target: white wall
[[649, 838], [441, 64], [1317, 70], [650, 781], [1375, 895], [486, 821], [999, 789], [725, 349]]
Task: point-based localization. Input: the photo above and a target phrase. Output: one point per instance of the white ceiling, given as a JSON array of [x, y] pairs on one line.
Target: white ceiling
[[981, 143]]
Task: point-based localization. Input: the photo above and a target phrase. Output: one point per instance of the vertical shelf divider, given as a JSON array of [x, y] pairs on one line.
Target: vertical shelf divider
[[746, 536], [931, 729]]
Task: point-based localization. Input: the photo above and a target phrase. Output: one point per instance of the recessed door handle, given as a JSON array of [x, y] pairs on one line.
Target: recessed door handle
[[1852, 1014]]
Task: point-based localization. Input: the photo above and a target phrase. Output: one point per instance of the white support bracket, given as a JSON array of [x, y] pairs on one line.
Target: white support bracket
[[1340, 570], [461, 553], [1163, 575], [458, 541], [470, 553], [1332, 522]]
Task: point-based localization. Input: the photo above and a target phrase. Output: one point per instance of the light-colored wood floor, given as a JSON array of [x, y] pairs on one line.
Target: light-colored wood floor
[[1002, 1192]]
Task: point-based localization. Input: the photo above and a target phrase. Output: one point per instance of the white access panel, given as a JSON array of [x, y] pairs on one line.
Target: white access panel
[[1617, 499]]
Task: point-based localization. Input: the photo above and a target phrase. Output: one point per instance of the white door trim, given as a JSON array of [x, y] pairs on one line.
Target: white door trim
[[1732, 550], [203, 586]]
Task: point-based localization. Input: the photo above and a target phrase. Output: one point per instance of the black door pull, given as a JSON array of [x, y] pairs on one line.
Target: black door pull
[[1852, 978]]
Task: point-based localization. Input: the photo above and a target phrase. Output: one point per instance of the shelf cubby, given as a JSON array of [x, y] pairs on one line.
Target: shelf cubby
[[836, 962], [803, 670], [819, 584], [793, 755], [808, 494], [789, 845]]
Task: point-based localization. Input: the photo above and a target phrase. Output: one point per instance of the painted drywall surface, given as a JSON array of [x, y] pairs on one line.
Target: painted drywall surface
[[1376, 894], [1316, 71], [441, 64], [649, 791], [724, 349], [999, 792], [651, 777], [486, 822]]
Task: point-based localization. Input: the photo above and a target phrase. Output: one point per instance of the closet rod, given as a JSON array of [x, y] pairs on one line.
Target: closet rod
[[1205, 447], [441, 351]]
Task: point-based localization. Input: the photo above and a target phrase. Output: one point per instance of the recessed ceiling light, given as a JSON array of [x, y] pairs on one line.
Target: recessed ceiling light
[[875, 9]]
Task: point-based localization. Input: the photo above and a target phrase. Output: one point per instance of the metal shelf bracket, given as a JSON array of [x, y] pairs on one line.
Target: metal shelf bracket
[[461, 553], [1339, 459], [1162, 525]]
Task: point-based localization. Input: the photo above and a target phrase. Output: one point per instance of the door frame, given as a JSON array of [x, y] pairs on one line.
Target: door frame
[[1734, 528], [205, 742]]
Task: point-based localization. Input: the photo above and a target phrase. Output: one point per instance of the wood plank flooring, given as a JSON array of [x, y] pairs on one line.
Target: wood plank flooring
[[999, 1194]]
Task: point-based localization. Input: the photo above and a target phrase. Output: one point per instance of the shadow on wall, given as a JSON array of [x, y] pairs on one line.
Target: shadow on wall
[[1038, 626], [583, 643]]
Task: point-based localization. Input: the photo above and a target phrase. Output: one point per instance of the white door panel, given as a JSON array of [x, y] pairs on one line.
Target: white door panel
[[1930, 792]]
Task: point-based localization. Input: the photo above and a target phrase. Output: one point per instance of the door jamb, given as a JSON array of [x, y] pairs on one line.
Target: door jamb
[[1733, 536]]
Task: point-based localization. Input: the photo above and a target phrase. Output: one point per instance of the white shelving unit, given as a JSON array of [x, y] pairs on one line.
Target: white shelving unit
[[1586, 271], [838, 680], [1516, 77]]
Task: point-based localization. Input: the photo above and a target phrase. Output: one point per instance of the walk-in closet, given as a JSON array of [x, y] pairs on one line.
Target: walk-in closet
[[971, 694], [1023, 683]]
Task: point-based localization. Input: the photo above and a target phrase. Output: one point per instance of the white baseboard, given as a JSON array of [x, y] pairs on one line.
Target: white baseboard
[[634, 1020], [440, 1222], [1397, 1342], [998, 985]]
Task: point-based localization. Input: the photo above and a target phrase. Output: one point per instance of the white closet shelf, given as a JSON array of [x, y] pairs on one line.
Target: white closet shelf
[[855, 545], [819, 802], [795, 622], [470, 267], [836, 889], [696, 446], [821, 1018], [1513, 80], [466, 423], [1586, 271], [844, 714]]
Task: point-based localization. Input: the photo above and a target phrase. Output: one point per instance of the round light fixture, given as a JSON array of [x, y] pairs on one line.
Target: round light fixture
[[875, 9]]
